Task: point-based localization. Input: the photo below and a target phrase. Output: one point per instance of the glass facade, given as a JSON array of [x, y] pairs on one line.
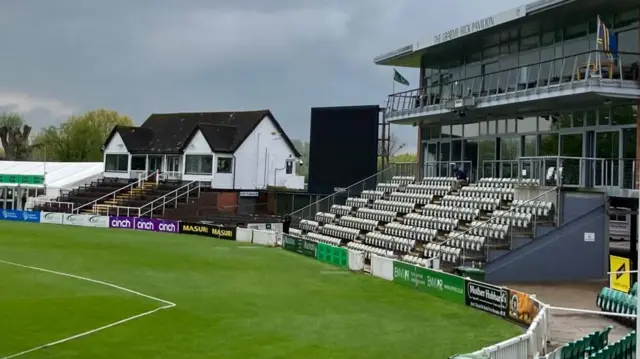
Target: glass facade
[[531, 43], [607, 132]]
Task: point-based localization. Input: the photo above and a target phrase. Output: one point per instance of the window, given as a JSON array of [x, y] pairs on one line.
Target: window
[[289, 167], [225, 165], [138, 163], [199, 165], [116, 163]]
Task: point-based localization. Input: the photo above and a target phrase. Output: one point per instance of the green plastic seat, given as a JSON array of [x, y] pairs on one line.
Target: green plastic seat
[[567, 351], [602, 297], [634, 289]]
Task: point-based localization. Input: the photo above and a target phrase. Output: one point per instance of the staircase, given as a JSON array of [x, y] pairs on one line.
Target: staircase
[[102, 207]]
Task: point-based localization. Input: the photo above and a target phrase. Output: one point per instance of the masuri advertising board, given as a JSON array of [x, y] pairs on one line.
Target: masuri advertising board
[[440, 284]]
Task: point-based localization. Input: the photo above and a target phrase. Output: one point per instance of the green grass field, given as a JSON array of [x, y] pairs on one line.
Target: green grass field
[[233, 301]]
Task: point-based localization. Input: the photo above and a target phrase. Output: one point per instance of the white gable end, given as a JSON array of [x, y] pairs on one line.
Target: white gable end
[[116, 145], [198, 145]]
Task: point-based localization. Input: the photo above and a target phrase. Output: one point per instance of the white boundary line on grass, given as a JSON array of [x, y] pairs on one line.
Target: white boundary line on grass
[[167, 305]]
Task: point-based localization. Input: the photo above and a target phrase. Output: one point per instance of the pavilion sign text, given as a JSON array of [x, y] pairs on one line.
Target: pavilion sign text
[[465, 30]]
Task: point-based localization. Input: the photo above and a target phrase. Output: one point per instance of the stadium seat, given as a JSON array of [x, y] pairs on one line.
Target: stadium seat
[[451, 182], [445, 253], [340, 210], [434, 190], [522, 220], [355, 202], [466, 241], [485, 204], [417, 198], [466, 214], [387, 187], [308, 225], [389, 242], [368, 250], [402, 180], [539, 208], [295, 231], [489, 229], [393, 206], [418, 260], [417, 233], [419, 220], [317, 237], [488, 192], [324, 217], [372, 195], [358, 223], [376, 214], [333, 230]]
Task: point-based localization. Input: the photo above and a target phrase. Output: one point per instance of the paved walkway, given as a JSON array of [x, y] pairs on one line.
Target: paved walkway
[[567, 326]]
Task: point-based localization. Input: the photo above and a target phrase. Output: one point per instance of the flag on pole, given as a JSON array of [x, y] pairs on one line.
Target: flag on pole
[[606, 41], [399, 78]]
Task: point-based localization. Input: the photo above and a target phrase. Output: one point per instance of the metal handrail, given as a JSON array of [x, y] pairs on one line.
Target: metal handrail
[[106, 208], [130, 186], [164, 198], [492, 219], [386, 170]]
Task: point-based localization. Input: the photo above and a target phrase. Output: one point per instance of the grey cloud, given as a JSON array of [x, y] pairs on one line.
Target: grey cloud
[[146, 56]]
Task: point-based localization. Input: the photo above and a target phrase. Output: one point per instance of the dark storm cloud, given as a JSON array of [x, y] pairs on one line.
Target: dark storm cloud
[[148, 56]]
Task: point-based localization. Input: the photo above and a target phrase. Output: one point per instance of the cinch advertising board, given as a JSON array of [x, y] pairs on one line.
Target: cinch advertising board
[[155, 225], [20, 216], [440, 284], [209, 230]]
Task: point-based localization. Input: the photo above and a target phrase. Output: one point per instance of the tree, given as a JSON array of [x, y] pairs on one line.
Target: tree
[[80, 138], [14, 137]]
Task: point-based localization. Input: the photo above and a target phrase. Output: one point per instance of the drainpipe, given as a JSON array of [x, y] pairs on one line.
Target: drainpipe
[[234, 172]]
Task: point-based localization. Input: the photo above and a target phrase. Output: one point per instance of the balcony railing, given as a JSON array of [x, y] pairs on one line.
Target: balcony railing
[[553, 75]]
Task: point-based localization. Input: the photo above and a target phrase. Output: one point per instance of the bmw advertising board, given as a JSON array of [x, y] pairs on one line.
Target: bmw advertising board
[[20, 216]]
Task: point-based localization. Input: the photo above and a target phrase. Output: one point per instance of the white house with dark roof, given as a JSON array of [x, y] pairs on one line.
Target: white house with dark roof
[[245, 150]]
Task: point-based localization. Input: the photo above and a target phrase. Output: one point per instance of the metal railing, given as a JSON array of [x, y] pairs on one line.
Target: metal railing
[[139, 183], [354, 190], [527, 79], [494, 220], [171, 197], [149, 208], [528, 345], [446, 169], [170, 176]]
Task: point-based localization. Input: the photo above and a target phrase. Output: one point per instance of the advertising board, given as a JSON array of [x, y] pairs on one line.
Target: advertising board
[[155, 225], [51, 217], [522, 308], [337, 256], [209, 230], [300, 246], [440, 284], [85, 220], [486, 297], [20, 216], [121, 222]]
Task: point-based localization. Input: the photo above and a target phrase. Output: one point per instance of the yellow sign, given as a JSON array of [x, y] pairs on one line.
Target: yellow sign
[[620, 278]]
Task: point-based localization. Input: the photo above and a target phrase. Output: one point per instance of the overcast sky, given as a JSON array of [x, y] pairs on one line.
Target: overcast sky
[[143, 56]]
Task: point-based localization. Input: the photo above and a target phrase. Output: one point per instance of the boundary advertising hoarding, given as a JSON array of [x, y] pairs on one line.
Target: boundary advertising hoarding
[[144, 224], [208, 230], [522, 308], [487, 298], [300, 246], [440, 284], [85, 220], [20, 216]]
